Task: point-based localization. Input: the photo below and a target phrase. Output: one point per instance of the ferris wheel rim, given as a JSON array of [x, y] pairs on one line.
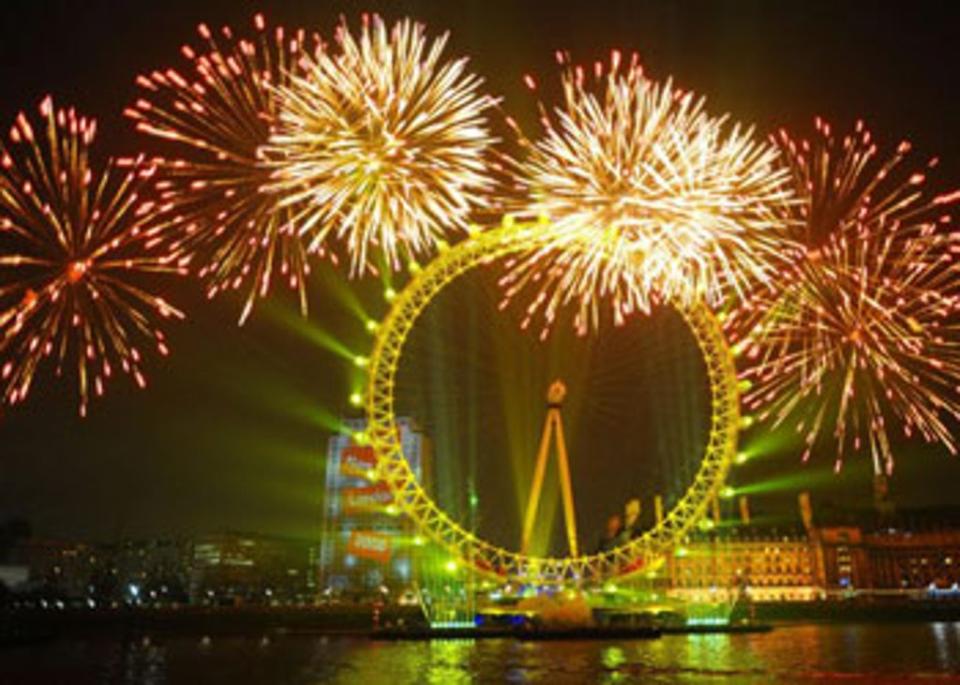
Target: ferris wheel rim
[[410, 498]]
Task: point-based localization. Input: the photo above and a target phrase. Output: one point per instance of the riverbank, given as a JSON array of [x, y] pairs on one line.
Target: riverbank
[[857, 611], [361, 619], [326, 620]]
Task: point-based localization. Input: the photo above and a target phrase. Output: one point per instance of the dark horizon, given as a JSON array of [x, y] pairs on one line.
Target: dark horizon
[[230, 433]]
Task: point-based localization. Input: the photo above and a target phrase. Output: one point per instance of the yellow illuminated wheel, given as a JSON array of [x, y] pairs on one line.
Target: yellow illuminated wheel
[[409, 496]]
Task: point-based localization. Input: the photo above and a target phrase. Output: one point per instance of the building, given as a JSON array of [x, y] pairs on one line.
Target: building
[[763, 564], [90, 574], [153, 571], [824, 555], [57, 569], [368, 545], [246, 568], [913, 552]]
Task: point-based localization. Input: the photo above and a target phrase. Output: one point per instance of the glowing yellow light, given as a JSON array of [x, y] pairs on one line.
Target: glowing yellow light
[[356, 399], [741, 458], [727, 492]]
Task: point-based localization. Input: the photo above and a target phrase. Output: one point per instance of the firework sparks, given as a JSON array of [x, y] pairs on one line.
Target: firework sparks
[[383, 143], [863, 332], [74, 244], [219, 119], [647, 197]]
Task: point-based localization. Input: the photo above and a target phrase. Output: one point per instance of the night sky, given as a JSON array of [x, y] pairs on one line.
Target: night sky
[[232, 430]]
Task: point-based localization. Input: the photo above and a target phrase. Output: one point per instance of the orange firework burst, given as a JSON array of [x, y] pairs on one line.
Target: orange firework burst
[[382, 143], [646, 196], [218, 119], [863, 331], [75, 244]]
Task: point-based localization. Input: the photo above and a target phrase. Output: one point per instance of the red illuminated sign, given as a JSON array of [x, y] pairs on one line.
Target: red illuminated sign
[[357, 461], [369, 544], [372, 498]]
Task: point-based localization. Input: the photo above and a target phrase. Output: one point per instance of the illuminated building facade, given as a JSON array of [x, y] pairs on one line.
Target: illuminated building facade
[[927, 559], [914, 552], [368, 545], [837, 556], [842, 561], [123, 572], [58, 568], [764, 565], [242, 568]]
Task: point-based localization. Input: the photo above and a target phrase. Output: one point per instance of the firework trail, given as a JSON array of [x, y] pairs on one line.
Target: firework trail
[[861, 334], [646, 197], [77, 245], [217, 119], [382, 143]]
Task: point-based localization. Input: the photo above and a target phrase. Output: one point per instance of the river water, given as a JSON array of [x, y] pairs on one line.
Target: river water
[[848, 653]]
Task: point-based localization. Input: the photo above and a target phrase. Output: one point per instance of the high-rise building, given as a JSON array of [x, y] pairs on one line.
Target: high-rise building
[[367, 543]]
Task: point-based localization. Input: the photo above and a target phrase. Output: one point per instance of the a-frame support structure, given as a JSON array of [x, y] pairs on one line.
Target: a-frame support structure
[[553, 426]]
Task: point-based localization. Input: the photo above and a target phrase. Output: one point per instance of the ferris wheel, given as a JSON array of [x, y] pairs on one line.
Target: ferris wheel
[[474, 551]]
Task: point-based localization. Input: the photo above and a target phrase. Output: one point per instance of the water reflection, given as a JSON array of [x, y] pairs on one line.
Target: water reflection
[[449, 662], [812, 653], [614, 658]]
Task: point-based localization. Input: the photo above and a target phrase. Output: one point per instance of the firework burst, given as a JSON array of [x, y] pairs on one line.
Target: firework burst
[[218, 119], [382, 143], [647, 197], [75, 243], [862, 333]]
